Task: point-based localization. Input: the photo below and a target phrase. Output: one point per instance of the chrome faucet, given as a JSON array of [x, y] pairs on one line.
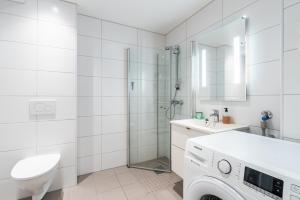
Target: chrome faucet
[[216, 115]]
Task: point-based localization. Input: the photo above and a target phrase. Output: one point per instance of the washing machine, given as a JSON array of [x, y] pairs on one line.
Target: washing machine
[[240, 166]]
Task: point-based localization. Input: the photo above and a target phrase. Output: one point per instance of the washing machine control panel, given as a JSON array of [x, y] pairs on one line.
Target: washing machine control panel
[[264, 183]]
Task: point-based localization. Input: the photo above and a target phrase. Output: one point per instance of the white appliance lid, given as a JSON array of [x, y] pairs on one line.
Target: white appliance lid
[[34, 166], [276, 155]]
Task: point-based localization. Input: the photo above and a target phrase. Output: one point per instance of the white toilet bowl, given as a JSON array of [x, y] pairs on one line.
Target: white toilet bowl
[[35, 174]]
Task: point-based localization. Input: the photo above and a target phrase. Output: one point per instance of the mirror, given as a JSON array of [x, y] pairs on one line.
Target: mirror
[[218, 63]]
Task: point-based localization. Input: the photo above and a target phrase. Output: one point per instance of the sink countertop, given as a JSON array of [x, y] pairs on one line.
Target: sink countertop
[[199, 125]]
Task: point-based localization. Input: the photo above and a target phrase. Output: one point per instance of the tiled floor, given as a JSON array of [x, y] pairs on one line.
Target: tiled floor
[[120, 184]]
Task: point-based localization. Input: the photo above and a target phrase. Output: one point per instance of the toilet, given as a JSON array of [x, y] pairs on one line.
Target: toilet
[[35, 174]]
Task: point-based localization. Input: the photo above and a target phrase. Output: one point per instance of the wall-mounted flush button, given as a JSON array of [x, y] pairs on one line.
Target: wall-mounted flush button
[[42, 107]]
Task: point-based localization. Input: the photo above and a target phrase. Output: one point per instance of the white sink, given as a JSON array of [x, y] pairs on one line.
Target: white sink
[[209, 127]]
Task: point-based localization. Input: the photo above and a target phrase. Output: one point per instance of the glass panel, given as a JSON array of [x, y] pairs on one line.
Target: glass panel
[[149, 128]]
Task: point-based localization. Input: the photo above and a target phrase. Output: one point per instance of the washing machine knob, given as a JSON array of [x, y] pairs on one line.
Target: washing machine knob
[[224, 166]]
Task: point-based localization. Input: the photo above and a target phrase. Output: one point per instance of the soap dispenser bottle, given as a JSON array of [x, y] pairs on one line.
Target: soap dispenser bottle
[[226, 118]]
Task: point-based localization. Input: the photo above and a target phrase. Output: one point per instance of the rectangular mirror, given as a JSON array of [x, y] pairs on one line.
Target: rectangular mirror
[[218, 63]]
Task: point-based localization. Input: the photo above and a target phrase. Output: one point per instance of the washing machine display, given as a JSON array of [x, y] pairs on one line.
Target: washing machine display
[[264, 183]]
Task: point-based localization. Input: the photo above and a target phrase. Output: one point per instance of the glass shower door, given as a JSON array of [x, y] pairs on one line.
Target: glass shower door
[[149, 128]]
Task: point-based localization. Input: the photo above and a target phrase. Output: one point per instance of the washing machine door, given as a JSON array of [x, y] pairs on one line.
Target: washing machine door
[[209, 188]]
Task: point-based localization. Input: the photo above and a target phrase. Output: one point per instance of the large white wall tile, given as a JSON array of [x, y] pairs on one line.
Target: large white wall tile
[[114, 50], [231, 6], [57, 11], [17, 136], [119, 33], [212, 13], [291, 27], [26, 9], [257, 18], [15, 82], [65, 107], [88, 146], [65, 177], [67, 152], [88, 66], [177, 35], [114, 142], [56, 84], [265, 46], [114, 124], [290, 2], [56, 35], [152, 40], [17, 55], [114, 87], [89, 164], [114, 105], [291, 117], [14, 28], [14, 109], [88, 46], [114, 68], [89, 86], [291, 72], [56, 132], [114, 159], [89, 26], [261, 81], [89, 106], [56, 59], [88, 126]]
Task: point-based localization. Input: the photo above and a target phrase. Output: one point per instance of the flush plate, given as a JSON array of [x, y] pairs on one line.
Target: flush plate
[[42, 107]]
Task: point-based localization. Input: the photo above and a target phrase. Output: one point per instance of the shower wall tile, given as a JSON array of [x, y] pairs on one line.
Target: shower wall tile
[[114, 68], [56, 35], [89, 66], [18, 29], [89, 164], [89, 26], [114, 105], [38, 61], [212, 13], [89, 46], [26, 54], [152, 40], [119, 33], [102, 108], [27, 9], [113, 159], [114, 142], [291, 89]]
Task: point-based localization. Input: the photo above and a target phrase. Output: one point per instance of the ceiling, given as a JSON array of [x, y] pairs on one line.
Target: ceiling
[[154, 15]]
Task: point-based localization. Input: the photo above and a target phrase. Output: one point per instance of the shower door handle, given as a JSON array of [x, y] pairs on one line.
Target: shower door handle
[[132, 85]]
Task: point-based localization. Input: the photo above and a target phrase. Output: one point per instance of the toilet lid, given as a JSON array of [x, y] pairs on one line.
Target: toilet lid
[[35, 166]]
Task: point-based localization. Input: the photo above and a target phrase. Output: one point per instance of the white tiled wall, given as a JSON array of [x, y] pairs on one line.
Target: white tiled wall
[[102, 90], [291, 81], [38, 61], [264, 56]]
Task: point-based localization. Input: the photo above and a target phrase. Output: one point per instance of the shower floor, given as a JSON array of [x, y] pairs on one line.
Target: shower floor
[[161, 164]]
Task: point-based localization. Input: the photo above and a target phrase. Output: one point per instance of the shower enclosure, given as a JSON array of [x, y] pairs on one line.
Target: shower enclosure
[[152, 88]]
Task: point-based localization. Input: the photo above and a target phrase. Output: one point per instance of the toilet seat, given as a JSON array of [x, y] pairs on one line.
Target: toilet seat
[[35, 166]]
